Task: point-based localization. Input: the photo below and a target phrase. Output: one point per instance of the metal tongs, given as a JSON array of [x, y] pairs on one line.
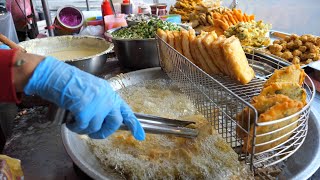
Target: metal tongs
[[156, 125], [159, 125]]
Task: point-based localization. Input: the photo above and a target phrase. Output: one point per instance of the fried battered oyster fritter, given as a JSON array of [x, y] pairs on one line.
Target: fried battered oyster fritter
[[292, 90], [292, 73], [261, 104], [278, 111]]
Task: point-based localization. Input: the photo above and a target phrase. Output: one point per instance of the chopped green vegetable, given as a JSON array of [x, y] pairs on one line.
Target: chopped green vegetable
[[144, 29]]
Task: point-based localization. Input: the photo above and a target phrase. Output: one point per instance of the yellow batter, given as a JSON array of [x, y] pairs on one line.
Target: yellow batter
[[74, 54]]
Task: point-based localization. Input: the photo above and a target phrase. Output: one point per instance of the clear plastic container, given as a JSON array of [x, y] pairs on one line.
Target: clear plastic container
[[110, 21]]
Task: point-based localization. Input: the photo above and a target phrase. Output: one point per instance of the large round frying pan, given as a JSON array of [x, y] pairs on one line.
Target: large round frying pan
[[300, 165]]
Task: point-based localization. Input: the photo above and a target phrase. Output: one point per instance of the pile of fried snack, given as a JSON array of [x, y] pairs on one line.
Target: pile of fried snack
[[297, 49], [186, 7], [213, 54], [281, 96], [208, 18]]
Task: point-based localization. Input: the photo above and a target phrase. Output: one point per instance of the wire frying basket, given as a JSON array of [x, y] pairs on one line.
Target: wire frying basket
[[221, 99]]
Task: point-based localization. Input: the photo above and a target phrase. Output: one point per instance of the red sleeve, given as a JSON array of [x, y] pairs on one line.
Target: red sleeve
[[7, 88]]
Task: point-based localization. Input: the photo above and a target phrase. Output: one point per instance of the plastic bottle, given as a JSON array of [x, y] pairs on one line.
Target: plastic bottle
[[106, 8], [126, 7]]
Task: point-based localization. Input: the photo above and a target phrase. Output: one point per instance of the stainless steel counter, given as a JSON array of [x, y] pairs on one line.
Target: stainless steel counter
[[36, 139]]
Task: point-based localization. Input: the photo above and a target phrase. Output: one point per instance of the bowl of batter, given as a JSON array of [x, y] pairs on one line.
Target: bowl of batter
[[88, 53]]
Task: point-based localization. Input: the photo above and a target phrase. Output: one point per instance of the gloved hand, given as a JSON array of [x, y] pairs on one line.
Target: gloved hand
[[3, 46], [99, 111]]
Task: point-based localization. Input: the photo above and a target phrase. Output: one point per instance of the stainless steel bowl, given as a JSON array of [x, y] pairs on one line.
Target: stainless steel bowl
[[135, 53], [93, 64]]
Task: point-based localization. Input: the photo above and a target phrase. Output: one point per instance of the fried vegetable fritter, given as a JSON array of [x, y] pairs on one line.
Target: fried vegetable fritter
[[261, 104], [292, 90], [291, 73], [276, 112]]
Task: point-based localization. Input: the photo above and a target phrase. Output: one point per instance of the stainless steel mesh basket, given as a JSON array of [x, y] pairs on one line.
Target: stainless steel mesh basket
[[220, 99]]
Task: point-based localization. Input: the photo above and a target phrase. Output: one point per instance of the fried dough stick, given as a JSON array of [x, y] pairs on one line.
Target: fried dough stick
[[211, 61], [206, 58], [192, 36], [177, 41], [170, 38], [165, 59], [196, 54], [217, 54], [186, 46], [237, 61]]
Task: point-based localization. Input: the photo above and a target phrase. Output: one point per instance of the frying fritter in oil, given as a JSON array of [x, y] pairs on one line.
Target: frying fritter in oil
[[276, 112], [291, 73]]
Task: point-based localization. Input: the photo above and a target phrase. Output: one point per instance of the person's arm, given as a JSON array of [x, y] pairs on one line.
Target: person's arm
[[16, 68], [98, 110], [24, 65]]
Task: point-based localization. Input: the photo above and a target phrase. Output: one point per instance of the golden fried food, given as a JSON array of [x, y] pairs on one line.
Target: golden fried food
[[217, 55], [236, 60], [197, 45], [297, 49], [291, 73], [252, 33], [219, 18], [192, 36], [216, 29], [206, 42], [281, 96], [213, 54], [162, 34], [261, 104], [292, 90], [170, 37], [276, 112], [186, 46], [187, 7], [165, 59], [177, 41]]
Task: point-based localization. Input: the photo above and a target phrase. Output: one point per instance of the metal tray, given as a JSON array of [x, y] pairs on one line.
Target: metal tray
[[300, 165], [273, 34]]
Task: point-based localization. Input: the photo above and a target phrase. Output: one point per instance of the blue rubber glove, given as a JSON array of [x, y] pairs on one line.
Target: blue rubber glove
[[98, 109], [3, 46]]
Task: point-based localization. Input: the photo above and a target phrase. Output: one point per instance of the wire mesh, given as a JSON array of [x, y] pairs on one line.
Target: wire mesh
[[221, 99]]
